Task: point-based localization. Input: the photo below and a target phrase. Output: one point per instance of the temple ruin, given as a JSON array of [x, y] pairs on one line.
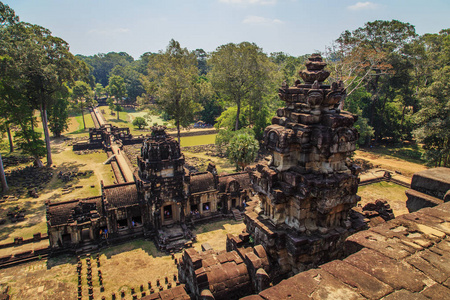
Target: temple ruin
[[305, 190], [308, 185], [161, 202]]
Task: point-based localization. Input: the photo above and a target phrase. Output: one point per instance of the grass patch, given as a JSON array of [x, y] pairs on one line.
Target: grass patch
[[196, 140], [215, 234], [393, 193], [147, 246], [222, 164]]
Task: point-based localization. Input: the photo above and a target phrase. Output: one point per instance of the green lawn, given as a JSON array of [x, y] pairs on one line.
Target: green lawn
[[393, 193], [126, 118], [198, 140]]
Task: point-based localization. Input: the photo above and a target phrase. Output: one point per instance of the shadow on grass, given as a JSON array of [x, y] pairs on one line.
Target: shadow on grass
[[117, 121], [62, 260], [81, 130], [411, 153], [33, 213], [212, 226], [147, 246]]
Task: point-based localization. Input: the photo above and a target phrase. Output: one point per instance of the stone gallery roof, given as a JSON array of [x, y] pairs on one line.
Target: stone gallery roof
[[62, 212], [242, 180], [120, 195], [222, 272], [405, 258], [202, 182]]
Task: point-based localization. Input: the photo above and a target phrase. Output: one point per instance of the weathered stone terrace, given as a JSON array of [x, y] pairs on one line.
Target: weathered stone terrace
[[405, 258]]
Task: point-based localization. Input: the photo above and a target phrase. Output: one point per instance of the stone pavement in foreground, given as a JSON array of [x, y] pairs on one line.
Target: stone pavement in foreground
[[405, 258]]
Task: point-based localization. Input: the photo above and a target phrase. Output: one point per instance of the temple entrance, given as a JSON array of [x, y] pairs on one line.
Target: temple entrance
[[168, 215], [194, 210], [136, 221], [233, 203], [121, 224], [85, 234], [66, 238], [207, 207]]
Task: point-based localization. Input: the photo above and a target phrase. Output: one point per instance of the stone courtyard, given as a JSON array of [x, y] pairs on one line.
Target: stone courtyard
[[123, 267]]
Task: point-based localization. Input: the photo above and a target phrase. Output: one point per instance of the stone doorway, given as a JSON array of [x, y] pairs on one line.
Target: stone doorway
[[66, 238], [206, 207], [136, 221], [167, 213], [122, 224], [85, 234]]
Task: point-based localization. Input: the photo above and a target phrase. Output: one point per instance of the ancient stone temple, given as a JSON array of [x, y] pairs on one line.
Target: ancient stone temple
[[308, 185], [160, 178], [163, 199]]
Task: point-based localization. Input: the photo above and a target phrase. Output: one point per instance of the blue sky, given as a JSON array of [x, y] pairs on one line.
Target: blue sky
[[293, 26]]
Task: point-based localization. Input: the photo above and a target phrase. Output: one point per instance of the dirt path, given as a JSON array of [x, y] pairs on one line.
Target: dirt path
[[390, 163]]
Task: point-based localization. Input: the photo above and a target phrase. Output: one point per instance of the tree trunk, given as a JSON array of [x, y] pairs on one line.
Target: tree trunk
[[236, 127], [38, 162], [82, 116], [5, 187], [11, 145], [178, 133], [403, 118], [47, 135], [177, 104]]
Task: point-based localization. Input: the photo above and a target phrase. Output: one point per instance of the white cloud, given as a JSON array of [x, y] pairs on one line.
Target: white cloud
[[109, 31], [245, 2], [256, 20], [363, 6]]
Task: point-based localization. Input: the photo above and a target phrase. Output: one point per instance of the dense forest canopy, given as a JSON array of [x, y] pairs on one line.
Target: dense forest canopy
[[397, 82]]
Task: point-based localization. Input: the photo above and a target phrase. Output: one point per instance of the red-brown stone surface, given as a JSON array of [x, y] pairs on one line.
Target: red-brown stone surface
[[371, 272]]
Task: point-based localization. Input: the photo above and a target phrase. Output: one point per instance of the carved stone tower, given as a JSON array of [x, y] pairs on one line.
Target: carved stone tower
[[308, 186], [160, 178]]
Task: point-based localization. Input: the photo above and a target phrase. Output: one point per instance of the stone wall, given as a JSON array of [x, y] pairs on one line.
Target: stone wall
[[428, 188]]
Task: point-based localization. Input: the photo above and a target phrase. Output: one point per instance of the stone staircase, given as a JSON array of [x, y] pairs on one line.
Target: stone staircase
[[237, 214], [172, 239], [87, 247]]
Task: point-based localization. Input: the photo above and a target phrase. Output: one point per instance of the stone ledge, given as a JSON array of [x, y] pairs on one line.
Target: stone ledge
[[405, 258], [417, 200]]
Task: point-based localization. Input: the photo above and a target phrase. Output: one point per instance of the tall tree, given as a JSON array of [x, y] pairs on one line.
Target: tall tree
[[132, 80], [102, 64], [209, 101], [288, 65], [433, 118], [373, 57], [45, 64], [82, 97], [58, 113], [8, 84], [117, 89], [241, 74], [201, 56], [3, 180], [175, 74], [99, 90]]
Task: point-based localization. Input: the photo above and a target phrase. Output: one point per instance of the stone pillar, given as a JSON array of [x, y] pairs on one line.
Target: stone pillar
[[129, 220], [262, 280], [91, 233], [182, 211]]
